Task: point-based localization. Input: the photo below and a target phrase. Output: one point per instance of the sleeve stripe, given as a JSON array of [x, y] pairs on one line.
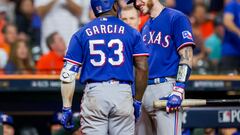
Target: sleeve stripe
[[141, 54], [72, 61], [185, 44]]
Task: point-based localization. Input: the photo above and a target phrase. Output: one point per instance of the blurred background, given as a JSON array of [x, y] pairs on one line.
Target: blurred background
[[34, 35]]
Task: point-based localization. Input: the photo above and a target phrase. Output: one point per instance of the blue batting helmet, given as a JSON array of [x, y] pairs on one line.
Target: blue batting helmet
[[101, 6]]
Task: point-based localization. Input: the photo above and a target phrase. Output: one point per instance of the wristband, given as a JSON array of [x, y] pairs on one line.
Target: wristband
[[184, 72]]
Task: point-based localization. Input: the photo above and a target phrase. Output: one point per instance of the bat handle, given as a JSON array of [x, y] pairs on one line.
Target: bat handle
[[185, 103]]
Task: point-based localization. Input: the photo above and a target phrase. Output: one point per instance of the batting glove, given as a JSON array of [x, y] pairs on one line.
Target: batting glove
[[66, 120], [137, 109], [175, 98]]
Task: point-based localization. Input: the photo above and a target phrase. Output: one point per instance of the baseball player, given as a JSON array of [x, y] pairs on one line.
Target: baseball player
[[106, 48], [168, 36]]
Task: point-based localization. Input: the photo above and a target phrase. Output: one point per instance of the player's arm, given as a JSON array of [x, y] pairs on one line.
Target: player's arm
[[74, 8], [68, 79], [185, 66], [184, 44], [229, 23], [43, 10], [183, 74], [141, 75], [73, 59], [186, 56]]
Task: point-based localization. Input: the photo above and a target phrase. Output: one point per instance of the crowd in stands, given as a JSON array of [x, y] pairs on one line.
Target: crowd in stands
[[34, 34]]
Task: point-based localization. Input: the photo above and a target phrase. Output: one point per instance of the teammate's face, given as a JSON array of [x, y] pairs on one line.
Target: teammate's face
[[131, 17], [8, 130], [144, 5]]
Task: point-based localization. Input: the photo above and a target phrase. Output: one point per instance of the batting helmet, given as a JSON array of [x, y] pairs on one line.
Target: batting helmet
[[101, 6]]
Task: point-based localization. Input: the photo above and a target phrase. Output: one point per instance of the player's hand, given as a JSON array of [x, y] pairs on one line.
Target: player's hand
[[174, 100], [137, 109], [66, 120]]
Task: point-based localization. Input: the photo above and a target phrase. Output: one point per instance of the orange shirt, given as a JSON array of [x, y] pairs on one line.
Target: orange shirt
[[5, 47], [50, 63], [2, 23], [143, 19], [207, 29]]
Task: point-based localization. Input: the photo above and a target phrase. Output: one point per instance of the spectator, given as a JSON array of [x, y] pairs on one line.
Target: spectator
[[216, 5], [2, 21], [28, 22], [210, 131], [52, 62], [58, 15], [199, 53], [10, 36], [85, 16], [201, 19], [229, 131], [29, 130], [170, 3], [231, 42], [214, 43], [186, 6], [9, 7], [3, 59], [130, 16], [8, 127], [20, 61]]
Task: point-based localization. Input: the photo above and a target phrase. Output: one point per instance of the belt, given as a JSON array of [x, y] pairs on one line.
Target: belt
[[157, 80], [111, 82]]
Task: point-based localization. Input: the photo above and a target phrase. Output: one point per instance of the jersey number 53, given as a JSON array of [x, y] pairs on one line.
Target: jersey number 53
[[103, 59]]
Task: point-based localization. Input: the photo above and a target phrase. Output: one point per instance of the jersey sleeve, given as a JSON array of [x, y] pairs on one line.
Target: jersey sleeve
[[182, 32], [140, 49], [74, 52]]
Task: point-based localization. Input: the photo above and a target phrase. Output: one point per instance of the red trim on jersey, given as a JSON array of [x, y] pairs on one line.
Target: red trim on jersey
[[72, 61], [141, 54], [185, 44]]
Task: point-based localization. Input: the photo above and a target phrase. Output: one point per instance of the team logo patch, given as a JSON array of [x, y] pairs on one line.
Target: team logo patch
[[99, 9], [187, 34]]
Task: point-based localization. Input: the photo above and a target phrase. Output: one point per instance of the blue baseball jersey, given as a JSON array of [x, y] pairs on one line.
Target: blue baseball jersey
[[165, 35], [105, 48], [231, 42]]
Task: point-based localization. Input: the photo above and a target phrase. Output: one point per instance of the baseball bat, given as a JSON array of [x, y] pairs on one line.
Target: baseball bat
[[200, 102]]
